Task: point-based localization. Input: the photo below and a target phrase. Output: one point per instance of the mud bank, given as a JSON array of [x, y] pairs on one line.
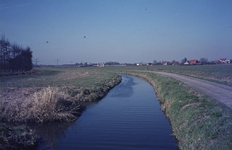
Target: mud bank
[[198, 121]]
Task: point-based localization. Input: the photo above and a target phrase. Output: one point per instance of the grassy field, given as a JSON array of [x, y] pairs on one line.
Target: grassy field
[[52, 93], [198, 121], [58, 77], [215, 73]]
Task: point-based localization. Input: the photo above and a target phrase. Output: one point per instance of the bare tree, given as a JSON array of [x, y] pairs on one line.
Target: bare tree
[[183, 60], [13, 57], [203, 61], [154, 62]]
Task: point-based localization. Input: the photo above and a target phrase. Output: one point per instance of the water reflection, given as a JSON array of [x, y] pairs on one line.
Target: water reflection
[[125, 88], [30, 136], [18, 136], [51, 132]]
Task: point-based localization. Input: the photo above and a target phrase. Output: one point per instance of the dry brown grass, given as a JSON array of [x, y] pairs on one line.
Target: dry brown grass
[[52, 94], [47, 104]]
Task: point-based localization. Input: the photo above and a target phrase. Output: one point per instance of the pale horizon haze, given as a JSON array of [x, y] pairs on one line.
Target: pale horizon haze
[[127, 31]]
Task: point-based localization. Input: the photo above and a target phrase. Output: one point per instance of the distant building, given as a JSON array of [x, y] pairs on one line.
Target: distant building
[[217, 61], [222, 60], [228, 61], [175, 63], [139, 64], [149, 64], [101, 65], [193, 62], [166, 63]]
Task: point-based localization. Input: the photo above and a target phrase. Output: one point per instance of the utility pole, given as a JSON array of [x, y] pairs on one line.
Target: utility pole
[[36, 61], [57, 61]]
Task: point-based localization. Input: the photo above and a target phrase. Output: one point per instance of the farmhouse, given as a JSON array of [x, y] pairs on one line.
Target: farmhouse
[[193, 62], [186, 63], [175, 63], [101, 65], [166, 63], [222, 60], [228, 61]]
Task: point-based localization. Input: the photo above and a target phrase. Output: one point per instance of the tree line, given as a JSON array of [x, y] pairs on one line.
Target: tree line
[[13, 57]]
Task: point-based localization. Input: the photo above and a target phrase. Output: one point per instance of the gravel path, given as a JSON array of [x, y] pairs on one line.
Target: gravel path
[[222, 93]]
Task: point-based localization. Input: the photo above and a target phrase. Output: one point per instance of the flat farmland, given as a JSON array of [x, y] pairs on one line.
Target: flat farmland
[[215, 73], [44, 77]]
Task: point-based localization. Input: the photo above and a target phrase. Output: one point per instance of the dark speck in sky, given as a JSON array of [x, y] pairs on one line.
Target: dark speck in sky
[[125, 31]]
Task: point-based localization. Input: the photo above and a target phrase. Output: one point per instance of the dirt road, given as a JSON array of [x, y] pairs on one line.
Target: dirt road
[[222, 93]]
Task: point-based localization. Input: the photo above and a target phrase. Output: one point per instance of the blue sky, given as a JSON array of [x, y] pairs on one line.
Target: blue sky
[[127, 31]]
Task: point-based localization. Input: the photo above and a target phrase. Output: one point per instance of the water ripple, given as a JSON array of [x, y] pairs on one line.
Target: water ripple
[[125, 88]]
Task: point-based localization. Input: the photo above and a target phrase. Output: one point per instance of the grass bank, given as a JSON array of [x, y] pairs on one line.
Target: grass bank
[[198, 121], [52, 94], [48, 95]]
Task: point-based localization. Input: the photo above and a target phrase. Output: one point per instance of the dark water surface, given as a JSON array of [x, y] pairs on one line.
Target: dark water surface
[[129, 117]]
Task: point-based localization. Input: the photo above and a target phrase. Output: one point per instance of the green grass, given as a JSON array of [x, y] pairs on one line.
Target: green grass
[[215, 73], [51, 94], [53, 77], [198, 121]]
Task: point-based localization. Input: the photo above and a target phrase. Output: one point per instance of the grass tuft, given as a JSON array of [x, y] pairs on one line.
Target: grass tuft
[[48, 104]]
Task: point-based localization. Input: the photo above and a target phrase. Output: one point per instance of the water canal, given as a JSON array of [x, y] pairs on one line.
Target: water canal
[[129, 117]]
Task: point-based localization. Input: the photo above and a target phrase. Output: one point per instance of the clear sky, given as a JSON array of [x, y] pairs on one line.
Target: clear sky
[[127, 31]]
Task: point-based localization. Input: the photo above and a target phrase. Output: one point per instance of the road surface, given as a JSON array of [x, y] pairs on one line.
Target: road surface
[[222, 93]]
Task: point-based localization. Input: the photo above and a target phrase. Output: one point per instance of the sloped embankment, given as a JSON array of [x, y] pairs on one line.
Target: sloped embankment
[[50, 103], [43, 105], [198, 121]]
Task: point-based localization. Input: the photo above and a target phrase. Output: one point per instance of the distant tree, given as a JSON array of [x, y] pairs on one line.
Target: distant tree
[[154, 62], [85, 64], [13, 57], [183, 60], [204, 60], [112, 63]]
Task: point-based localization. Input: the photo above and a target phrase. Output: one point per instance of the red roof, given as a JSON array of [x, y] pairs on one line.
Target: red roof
[[217, 61], [223, 59], [193, 61]]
